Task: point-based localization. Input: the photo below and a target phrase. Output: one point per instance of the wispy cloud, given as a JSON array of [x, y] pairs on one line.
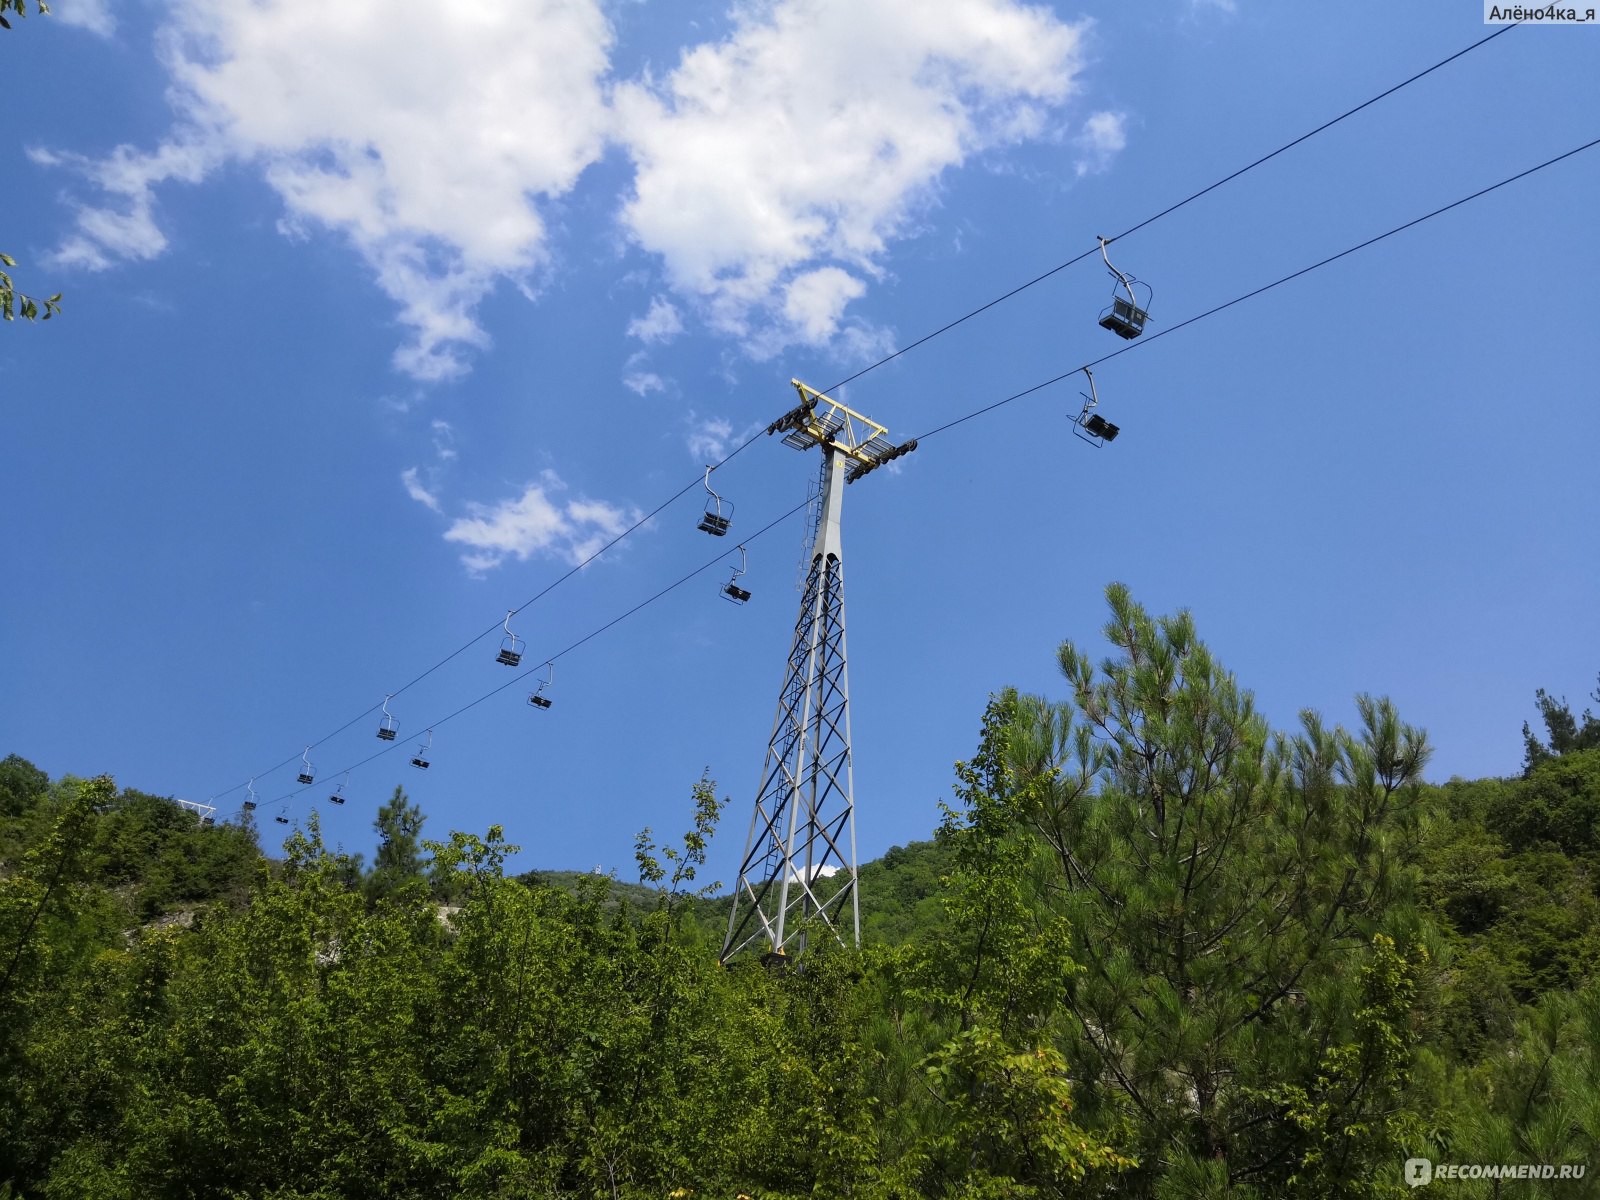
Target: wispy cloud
[[93, 15], [1103, 137], [708, 437], [642, 383], [444, 440], [661, 324], [124, 230], [536, 522], [417, 492]]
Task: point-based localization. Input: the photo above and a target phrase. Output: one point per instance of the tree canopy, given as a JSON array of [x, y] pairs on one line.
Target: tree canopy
[[1157, 949]]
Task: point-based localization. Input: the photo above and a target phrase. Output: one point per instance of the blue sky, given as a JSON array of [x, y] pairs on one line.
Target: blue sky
[[378, 317]]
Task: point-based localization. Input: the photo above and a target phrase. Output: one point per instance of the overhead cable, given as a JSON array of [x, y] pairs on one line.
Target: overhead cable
[[1171, 208]]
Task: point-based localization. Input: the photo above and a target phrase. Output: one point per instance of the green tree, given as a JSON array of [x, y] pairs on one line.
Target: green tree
[[22, 786], [399, 858], [1220, 883], [1564, 732], [974, 1008], [1351, 1128], [48, 931]]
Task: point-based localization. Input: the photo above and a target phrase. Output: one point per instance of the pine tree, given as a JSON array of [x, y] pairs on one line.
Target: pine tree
[[1221, 884], [399, 858]]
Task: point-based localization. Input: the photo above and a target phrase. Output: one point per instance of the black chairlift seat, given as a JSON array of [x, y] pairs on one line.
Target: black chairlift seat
[[510, 658], [305, 777], [1124, 318], [736, 593], [281, 819], [249, 806], [386, 733], [420, 762], [336, 798], [714, 523], [539, 701], [1098, 426]]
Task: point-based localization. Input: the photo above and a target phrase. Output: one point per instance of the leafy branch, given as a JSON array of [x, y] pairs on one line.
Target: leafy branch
[[12, 302], [20, 7]]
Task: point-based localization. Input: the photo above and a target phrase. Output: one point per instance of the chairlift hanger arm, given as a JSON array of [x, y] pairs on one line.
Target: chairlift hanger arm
[[1127, 280]]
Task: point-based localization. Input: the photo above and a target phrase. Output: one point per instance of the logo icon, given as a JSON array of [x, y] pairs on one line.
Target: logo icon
[[1419, 1171]]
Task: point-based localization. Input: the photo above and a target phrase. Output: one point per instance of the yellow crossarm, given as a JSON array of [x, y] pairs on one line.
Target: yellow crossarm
[[822, 420]]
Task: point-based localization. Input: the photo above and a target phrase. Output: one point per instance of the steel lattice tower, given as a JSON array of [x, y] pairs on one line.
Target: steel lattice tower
[[799, 866]]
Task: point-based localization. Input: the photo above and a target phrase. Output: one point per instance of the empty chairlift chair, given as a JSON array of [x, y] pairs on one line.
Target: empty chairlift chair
[[308, 773], [388, 727], [731, 591], [512, 646], [337, 795], [537, 698], [420, 760], [1090, 425], [1126, 316], [719, 513]]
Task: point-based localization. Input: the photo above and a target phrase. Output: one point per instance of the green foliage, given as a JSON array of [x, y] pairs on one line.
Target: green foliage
[[1157, 950], [14, 304], [978, 994], [1352, 1127], [1220, 883], [22, 787], [399, 859], [1565, 733], [1558, 802], [20, 7]]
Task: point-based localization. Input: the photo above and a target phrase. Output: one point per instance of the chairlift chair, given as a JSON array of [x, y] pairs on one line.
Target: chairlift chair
[[731, 591], [308, 773], [537, 698], [282, 818], [250, 796], [337, 796], [718, 514], [1089, 425], [1125, 317], [421, 758], [512, 646], [388, 727]]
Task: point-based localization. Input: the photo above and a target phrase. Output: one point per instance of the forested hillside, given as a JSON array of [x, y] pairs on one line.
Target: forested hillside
[[1156, 949]]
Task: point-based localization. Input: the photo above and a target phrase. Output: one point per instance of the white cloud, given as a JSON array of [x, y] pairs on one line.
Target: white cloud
[[642, 383], [708, 438], [126, 230], [417, 492], [93, 15], [424, 134], [444, 440], [661, 324], [1103, 137], [813, 303], [536, 523], [774, 167]]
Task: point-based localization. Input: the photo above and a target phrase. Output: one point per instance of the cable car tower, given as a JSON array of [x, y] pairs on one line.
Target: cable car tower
[[799, 866]]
